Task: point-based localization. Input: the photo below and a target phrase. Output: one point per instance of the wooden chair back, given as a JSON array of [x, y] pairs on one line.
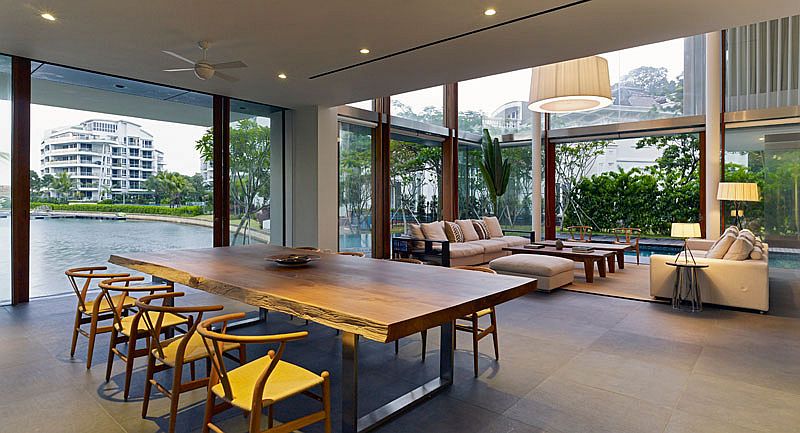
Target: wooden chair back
[[351, 253], [122, 285], [81, 281], [631, 235], [584, 233], [476, 268], [154, 322], [214, 340]]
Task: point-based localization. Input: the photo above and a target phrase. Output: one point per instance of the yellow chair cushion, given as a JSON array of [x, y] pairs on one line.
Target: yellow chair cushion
[[126, 302], [285, 381], [195, 349], [169, 320]]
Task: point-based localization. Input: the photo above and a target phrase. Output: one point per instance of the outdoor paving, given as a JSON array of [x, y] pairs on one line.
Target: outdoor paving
[[570, 362]]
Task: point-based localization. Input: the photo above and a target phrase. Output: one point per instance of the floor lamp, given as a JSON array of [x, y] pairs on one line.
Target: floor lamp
[[738, 192]]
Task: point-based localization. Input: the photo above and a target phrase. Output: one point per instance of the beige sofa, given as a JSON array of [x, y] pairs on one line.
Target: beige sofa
[[742, 284], [459, 253]]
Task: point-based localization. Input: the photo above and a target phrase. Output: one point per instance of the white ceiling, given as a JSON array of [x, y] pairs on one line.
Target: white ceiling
[[305, 38]]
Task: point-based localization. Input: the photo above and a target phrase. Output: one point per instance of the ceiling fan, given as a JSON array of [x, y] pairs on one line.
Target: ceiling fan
[[204, 69]]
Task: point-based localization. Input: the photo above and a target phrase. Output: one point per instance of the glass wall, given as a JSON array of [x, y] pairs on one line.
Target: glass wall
[[251, 144], [415, 167], [5, 180], [425, 105], [770, 157], [498, 103], [355, 188], [473, 196], [656, 81], [646, 183], [115, 167], [762, 65]]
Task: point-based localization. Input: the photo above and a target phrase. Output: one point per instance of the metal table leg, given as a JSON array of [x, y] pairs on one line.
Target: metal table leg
[[351, 422]]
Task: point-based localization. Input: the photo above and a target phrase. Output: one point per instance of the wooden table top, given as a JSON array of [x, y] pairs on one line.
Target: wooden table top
[[566, 252], [596, 245], [378, 299]]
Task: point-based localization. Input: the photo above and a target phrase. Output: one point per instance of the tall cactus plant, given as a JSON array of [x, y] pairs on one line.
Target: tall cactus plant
[[496, 171]]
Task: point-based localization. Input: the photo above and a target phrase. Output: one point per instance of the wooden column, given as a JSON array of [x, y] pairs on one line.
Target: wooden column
[[449, 197], [20, 179], [381, 187], [222, 157], [549, 182]]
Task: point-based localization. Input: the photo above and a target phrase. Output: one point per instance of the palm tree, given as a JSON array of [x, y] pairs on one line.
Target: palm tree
[[62, 185], [496, 171]]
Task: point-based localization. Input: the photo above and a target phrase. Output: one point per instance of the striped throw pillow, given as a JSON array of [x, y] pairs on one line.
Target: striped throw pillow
[[480, 227], [453, 232]]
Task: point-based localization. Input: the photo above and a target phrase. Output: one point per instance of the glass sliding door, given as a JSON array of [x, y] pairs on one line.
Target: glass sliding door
[[415, 167], [252, 141], [770, 157], [115, 168], [5, 180], [355, 188]]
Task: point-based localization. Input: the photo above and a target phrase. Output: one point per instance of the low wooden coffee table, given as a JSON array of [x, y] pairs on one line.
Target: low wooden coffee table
[[588, 259], [618, 249]]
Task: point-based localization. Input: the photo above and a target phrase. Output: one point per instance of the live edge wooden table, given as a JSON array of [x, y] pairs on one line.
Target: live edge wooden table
[[376, 299], [618, 249], [587, 258]]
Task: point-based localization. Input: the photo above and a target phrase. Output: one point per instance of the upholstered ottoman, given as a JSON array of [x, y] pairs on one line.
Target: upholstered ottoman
[[550, 272]]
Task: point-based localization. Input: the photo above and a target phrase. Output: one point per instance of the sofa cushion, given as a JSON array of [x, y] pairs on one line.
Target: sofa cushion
[[757, 253], [470, 234], [434, 231], [491, 245], [740, 249], [415, 231], [720, 247], [453, 232], [465, 249], [515, 241], [531, 264], [480, 228], [493, 226]]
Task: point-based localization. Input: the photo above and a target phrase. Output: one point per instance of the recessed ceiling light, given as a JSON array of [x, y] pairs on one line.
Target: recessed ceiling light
[[282, 76], [489, 12], [48, 16], [761, 138], [364, 51]]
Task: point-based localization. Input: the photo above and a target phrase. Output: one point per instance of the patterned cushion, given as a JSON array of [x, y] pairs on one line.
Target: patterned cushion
[[453, 232], [480, 227], [720, 247]]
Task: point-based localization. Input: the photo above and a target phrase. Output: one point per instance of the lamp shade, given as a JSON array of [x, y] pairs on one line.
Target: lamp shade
[[685, 230], [737, 191], [571, 86]]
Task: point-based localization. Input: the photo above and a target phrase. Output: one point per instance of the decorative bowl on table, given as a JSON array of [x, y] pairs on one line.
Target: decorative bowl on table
[[292, 260]]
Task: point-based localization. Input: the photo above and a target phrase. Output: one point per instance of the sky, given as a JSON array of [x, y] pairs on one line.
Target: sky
[[488, 93]]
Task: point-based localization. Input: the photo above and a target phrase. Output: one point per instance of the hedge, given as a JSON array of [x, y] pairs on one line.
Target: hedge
[[183, 211]]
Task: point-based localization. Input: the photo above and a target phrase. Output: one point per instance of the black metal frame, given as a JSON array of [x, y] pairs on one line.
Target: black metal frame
[[403, 246]]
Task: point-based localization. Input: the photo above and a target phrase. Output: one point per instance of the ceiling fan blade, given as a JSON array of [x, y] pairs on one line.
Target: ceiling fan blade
[[178, 56], [226, 77], [230, 65], [179, 70]]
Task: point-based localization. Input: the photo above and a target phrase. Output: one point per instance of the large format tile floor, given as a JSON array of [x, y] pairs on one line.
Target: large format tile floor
[[570, 362]]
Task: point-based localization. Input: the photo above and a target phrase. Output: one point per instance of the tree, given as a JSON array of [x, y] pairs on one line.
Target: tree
[[495, 169], [573, 162], [170, 187], [63, 185], [250, 170]]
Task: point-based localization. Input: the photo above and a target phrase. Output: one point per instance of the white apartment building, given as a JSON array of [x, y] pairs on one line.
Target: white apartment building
[[207, 171], [105, 158]]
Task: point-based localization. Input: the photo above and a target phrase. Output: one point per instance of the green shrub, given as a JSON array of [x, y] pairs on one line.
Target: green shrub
[[183, 211]]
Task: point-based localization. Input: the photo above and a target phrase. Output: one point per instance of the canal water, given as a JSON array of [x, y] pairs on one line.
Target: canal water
[[59, 244]]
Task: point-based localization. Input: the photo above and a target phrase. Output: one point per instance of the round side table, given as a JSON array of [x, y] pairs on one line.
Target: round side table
[[686, 286]]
